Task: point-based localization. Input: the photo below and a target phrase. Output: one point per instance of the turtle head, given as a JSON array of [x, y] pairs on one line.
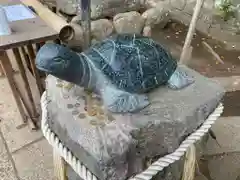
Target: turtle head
[[60, 62]]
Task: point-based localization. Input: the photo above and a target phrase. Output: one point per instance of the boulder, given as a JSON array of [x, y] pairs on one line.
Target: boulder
[[101, 9], [101, 29], [129, 22], [156, 16]]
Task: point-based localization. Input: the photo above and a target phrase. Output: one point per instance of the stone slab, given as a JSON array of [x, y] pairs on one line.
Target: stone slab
[[35, 162], [119, 145]]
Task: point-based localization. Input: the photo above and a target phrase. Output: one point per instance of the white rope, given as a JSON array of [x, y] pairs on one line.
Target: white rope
[[151, 171]]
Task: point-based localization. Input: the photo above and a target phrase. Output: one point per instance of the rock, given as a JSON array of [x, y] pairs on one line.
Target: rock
[[156, 16], [151, 3], [178, 4], [67, 6], [76, 19], [147, 31], [101, 29], [129, 22], [101, 9], [112, 152]]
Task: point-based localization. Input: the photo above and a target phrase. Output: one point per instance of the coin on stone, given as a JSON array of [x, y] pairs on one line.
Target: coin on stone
[[65, 96], [82, 116], [75, 112], [93, 122], [77, 105], [70, 106], [92, 112]]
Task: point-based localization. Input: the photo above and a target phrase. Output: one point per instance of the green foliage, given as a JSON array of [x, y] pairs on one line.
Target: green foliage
[[226, 10]]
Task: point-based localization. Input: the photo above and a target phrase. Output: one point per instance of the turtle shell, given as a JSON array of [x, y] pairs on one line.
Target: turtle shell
[[133, 63]]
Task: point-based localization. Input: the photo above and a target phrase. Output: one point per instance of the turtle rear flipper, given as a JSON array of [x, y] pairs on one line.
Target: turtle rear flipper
[[118, 101], [180, 79]]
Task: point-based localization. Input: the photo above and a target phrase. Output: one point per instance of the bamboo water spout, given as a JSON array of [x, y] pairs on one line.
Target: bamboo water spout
[[65, 30]]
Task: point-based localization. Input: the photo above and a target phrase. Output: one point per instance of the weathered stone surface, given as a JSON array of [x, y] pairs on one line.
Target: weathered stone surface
[[101, 29], [147, 31], [153, 3], [129, 22], [67, 6], [111, 147], [101, 9], [156, 16]]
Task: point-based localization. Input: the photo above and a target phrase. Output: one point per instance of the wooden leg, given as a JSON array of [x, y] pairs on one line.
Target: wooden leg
[[31, 111], [35, 71], [1, 71], [59, 167], [39, 45], [189, 164], [7, 68]]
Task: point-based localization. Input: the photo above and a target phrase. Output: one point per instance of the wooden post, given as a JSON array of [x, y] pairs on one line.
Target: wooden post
[[32, 112], [60, 170], [189, 164], [191, 31], [34, 69], [25, 80]]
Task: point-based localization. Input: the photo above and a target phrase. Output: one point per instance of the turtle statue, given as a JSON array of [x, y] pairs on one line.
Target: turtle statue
[[122, 69]]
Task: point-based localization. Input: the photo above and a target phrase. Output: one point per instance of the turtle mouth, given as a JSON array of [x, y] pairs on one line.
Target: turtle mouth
[[44, 70]]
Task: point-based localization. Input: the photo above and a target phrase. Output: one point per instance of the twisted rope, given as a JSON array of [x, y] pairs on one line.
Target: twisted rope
[[151, 171]]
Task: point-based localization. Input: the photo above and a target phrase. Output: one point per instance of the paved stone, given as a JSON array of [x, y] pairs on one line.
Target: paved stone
[[6, 168], [225, 167], [35, 162], [16, 138], [227, 132]]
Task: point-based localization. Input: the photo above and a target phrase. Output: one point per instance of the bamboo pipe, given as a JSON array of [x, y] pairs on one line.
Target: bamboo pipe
[[65, 30], [191, 30]]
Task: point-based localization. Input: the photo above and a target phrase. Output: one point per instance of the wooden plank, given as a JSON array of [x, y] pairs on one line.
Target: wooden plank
[[32, 109], [34, 69], [60, 171]]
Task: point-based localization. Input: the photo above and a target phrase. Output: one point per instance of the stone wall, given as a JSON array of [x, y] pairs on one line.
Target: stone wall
[[179, 10]]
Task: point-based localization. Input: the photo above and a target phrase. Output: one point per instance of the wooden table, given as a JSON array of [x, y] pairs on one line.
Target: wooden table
[[25, 33]]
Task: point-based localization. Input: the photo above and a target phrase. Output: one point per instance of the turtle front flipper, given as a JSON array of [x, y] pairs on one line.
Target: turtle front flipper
[[180, 79], [118, 101]]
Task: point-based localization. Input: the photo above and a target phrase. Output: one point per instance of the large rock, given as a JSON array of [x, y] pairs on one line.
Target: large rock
[[67, 6], [129, 22], [116, 146], [101, 8], [101, 29], [156, 16]]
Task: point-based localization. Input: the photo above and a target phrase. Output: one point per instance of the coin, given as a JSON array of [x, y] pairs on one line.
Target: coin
[[75, 112], [65, 96], [82, 116], [77, 105], [70, 106]]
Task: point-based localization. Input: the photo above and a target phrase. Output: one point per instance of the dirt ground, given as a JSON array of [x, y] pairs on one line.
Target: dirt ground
[[202, 60], [173, 37]]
